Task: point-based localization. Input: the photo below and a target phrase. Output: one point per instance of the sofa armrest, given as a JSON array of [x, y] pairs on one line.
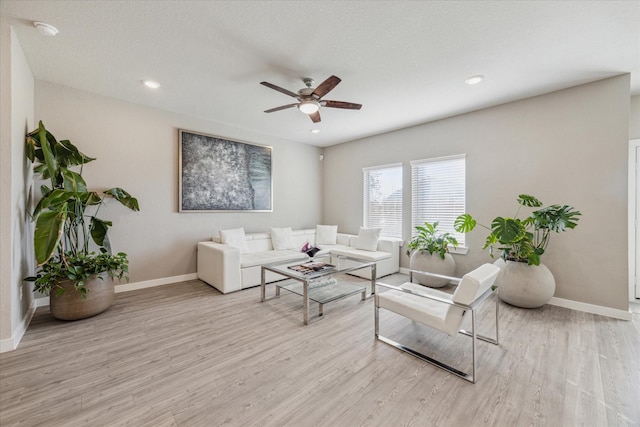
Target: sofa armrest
[[388, 245], [219, 266]]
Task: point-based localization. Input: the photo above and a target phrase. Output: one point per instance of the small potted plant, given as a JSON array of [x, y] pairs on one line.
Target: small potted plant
[[429, 251], [68, 232], [524, 281]]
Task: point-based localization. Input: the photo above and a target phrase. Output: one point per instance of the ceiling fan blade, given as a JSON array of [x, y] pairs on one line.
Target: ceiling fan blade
[[284, 107], [315, 117], [326, 86], [341, 104], [279, 89]]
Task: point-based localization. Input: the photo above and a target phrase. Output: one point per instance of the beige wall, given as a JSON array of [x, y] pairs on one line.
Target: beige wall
[[16, 259], [634, 118], [567, 147], [137, 149]]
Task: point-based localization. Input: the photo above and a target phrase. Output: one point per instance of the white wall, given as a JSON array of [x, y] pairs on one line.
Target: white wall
[[566, 147], [16, 255], [137, 149]]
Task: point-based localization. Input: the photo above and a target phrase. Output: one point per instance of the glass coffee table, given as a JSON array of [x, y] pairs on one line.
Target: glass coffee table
[[315, 280]]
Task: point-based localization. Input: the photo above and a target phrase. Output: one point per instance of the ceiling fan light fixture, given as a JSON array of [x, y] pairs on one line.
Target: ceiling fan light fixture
[[309, 106]]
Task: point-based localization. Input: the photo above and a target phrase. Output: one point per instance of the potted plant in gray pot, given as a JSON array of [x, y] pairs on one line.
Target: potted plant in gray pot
[[523, 280], [68, 232], [429, 251]]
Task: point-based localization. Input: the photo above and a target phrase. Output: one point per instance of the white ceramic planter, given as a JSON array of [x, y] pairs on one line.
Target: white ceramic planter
[[432, 264], [526, 286]]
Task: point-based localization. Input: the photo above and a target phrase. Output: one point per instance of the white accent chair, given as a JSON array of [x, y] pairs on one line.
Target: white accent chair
[[440, 310]]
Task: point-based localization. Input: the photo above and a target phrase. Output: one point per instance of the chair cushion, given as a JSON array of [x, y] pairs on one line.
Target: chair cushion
[[475, 283], [439, 315], [428, 312]]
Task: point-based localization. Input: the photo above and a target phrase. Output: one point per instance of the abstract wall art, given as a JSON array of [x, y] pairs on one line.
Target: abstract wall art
[[218, 174]]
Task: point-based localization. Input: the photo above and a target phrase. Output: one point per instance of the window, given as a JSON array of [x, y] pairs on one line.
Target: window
[[383, 199], [438, 192]]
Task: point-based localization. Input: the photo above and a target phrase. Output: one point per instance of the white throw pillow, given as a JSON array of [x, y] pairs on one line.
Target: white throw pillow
[[282, 238], [326, 234], [368, 239], [235, 238]]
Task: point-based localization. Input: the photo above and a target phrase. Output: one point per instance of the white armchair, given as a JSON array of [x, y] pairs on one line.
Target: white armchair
[[440, 310]]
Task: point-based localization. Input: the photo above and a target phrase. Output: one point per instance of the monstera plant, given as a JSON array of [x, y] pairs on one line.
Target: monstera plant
[[523, 240], [71, 243], [524, 281]]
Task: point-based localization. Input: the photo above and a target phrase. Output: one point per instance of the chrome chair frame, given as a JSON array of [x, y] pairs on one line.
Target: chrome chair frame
[[471, 377]]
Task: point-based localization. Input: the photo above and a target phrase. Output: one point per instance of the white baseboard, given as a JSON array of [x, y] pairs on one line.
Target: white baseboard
[[591, 308], [579, 306], [10, 344], [43, 302], [155, 282]]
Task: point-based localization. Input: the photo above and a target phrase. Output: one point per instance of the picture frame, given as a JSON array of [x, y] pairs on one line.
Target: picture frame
[[223, 175]]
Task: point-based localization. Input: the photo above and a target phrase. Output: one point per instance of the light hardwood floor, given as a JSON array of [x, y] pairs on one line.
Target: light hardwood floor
[[185, 355]]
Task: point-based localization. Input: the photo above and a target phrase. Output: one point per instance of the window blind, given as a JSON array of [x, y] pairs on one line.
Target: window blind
[[438, 193], [383, 199]]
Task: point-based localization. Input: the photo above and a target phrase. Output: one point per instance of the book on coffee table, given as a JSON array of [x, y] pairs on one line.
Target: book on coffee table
[[312, 267]]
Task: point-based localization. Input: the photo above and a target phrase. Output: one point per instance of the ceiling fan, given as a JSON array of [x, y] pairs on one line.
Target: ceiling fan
[[310, 98]]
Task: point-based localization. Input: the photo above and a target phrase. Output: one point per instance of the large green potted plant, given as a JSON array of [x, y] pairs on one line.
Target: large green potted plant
[[429, 251], [68, 232], [524, 281]]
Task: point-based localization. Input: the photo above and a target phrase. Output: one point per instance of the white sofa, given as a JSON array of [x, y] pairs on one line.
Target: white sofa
[[229, 269]]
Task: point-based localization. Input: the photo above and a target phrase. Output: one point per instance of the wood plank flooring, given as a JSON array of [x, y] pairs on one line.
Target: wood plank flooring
[[186, 355]]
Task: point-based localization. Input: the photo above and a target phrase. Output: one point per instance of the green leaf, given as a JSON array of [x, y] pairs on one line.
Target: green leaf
[[490, 241], [70, 154], [49, 158], [90, 198], [73, 181], [556, 218], [508, 230], [99, 230], [464, 223], [53, 201], [48, 233], [529, 201], [123, 197], [534, 258], [31, 148]]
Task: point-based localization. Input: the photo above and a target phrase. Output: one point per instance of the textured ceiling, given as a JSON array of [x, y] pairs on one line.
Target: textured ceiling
[[406, 62]]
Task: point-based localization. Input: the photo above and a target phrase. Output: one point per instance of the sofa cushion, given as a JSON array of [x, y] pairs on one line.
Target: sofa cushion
[[235, 237], [368, 239], [281, 238], [253, 259], [326, 234]]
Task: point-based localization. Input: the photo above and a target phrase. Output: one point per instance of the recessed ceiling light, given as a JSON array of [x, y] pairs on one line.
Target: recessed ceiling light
[[474, 80], [315, 130], [151, 84], [46, 29]]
